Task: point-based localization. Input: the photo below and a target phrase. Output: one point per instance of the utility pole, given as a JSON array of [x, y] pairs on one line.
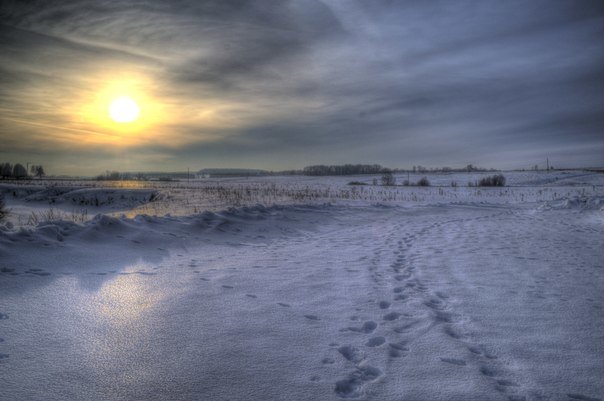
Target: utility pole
[[188, 176], [547, 164]]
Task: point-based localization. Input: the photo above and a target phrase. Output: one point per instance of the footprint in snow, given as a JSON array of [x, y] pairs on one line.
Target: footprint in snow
[[312, 317], [351, 353], [454, 361], [375, 342], [487, 371], [283, 304], [581, 397], [384, 304], [228, 287], [251, 295], [367, 327], [392, 316], [435, 304], [451, 332], [445, 317], [38, 272], [352, 387], [506, 383], [397, 349]]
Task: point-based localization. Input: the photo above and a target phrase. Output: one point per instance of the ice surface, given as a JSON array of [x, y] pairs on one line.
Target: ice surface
[[439, 300]]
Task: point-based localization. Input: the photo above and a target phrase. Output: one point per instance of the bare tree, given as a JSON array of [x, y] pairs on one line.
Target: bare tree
[[388, 179], [39, 171]]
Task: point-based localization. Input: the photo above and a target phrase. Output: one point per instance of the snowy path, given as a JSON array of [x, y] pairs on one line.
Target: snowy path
[[426, 303]]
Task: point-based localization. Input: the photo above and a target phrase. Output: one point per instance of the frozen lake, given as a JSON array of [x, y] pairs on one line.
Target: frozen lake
[[496, 295]]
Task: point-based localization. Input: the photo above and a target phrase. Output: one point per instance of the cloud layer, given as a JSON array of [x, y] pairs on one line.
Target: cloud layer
[[284, 84]]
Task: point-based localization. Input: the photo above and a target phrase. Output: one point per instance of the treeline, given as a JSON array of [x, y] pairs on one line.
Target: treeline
[[18, 171], [355, 169], [344, 169]]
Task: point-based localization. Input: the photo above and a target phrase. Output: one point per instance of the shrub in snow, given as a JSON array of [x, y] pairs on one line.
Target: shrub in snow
[[492, 181], [3, 211], [423, 182]]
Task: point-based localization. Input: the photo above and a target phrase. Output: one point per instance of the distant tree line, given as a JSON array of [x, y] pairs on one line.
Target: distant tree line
[[344, 169], [357, 169], [18, 171]]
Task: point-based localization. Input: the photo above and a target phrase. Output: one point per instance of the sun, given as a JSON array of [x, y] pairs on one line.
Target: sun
[[124, 110]]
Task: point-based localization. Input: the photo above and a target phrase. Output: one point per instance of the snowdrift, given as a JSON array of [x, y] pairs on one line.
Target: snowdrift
[[152, 228], [580, 203]]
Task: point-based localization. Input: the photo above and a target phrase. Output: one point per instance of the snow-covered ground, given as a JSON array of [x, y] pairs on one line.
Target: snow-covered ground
[[401, 293]]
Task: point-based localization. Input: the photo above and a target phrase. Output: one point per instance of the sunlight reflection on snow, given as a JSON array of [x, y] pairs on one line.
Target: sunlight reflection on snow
[[127, 296]]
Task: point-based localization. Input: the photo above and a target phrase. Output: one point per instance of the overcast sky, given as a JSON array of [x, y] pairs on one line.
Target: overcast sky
[[284, 84]]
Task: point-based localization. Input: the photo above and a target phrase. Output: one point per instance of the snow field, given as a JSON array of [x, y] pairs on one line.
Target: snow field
[[444, 301]]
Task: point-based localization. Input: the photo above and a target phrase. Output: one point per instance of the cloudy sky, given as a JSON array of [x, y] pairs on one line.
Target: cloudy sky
[[284, 84]]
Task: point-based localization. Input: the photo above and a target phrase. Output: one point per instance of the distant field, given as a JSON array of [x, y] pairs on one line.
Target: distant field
[[81, 200]]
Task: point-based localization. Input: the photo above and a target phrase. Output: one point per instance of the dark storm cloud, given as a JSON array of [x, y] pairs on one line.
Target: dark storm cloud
[[411, 82]]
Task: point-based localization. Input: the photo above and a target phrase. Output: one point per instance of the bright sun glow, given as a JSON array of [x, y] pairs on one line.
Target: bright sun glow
[[124, 110]]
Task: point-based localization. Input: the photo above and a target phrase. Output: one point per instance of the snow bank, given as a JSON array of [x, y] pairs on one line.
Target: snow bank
[[150, 228]]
